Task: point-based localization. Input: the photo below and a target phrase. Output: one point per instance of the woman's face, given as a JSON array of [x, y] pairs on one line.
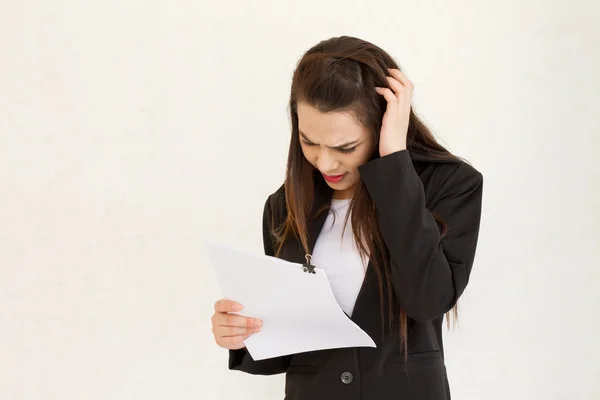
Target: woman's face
[[336, 145]]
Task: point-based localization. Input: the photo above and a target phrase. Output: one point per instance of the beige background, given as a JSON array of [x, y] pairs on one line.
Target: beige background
[[131, 131]]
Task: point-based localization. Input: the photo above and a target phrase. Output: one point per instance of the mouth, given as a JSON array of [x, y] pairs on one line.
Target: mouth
[[333, 178]]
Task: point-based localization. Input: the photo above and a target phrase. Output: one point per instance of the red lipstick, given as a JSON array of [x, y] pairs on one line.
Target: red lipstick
[[333, 178]]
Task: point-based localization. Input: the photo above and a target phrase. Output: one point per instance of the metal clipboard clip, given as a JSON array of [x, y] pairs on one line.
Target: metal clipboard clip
[[308, 267]]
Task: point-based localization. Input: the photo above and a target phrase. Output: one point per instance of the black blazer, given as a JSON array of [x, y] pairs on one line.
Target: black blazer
[[429, 275]]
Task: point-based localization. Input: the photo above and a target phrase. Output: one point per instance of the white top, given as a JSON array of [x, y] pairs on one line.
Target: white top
[[336, 253]]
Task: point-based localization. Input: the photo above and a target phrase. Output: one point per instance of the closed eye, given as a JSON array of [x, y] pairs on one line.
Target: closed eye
[[346, 151], [340, 149]]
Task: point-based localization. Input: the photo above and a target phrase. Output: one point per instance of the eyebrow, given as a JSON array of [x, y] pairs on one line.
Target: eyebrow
[[331, 147]]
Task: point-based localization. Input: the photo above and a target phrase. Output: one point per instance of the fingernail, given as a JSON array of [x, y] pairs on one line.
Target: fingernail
[[257, 322], [237, 307]]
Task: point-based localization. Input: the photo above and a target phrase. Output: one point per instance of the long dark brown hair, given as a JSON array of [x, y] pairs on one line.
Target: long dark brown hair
[[340, 74]]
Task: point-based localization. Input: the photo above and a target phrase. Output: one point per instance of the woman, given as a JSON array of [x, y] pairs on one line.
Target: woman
[[389, 214]]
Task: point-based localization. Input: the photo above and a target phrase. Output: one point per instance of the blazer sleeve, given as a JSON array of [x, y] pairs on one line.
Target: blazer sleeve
[[429, 273], [240, 360]]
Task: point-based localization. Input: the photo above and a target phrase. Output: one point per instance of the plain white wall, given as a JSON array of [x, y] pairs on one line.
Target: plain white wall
[[132, 131]]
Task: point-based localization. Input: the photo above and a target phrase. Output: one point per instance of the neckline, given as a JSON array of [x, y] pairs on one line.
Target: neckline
[[339, 204]]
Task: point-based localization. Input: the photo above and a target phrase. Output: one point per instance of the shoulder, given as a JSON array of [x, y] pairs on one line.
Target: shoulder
[[448, 178], [455, 171], [277, 197], [275, 205]]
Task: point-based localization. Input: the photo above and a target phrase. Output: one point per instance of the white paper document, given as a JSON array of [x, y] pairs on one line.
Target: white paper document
[[298, 308]]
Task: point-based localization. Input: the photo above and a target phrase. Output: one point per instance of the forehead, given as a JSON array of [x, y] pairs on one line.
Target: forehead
[[328, 128]]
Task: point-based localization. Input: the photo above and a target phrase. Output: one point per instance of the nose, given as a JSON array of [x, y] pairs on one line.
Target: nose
[[326, 163]]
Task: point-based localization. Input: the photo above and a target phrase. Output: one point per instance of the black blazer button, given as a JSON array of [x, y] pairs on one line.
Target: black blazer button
[[347, 378]]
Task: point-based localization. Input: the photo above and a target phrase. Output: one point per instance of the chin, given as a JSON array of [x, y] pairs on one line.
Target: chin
[[337, 186], [340, 187]]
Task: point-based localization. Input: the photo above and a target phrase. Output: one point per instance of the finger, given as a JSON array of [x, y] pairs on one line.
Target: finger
[[399, 75], [396, 87], [225, 331], [232, 342], [388, 95], [236, 320], [225, 305], [408, 88], [392, 101]]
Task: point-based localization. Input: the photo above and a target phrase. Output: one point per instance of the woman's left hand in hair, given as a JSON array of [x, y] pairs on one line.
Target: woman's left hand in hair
[[394, 127]]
